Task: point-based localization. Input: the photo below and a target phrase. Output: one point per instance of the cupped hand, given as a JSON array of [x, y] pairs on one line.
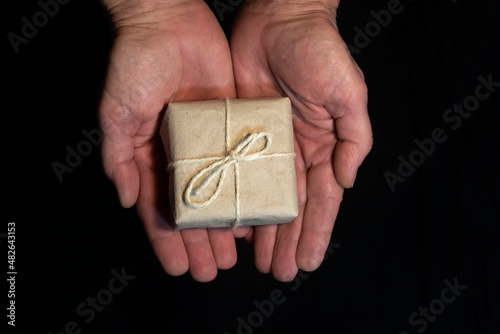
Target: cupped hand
[[163, 52], [284, 48]]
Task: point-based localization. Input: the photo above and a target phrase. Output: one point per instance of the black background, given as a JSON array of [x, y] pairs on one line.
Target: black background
[[392, 250]]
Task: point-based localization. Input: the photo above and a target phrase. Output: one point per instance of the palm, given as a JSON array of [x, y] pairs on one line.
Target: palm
[[150, 67], [306, 60]]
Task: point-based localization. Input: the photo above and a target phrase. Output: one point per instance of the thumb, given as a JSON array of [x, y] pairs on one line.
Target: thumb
[[353, 129], [117, 152]]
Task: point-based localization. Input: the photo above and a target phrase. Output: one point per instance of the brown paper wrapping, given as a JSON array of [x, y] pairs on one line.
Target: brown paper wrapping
[[267, 192]]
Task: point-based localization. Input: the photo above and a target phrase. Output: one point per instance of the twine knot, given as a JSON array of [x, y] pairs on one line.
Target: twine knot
[[238, 154]]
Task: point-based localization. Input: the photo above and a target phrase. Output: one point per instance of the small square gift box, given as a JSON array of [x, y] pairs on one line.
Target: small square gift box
[[231, 162]]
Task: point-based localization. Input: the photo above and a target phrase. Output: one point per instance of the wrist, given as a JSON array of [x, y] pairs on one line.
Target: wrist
[[152, 12], [294, 7]]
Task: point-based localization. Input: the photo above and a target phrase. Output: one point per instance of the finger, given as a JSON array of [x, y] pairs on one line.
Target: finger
[[202, 265], [122, 171], [117, 152], [352, 125], [241, 231], [324, 195], [169, 247], [167, 243], [264, 237], [250, 236], [223, 247], [284, 264]]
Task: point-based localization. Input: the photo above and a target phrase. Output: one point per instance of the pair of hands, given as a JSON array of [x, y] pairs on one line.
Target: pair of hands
[[173, 50]]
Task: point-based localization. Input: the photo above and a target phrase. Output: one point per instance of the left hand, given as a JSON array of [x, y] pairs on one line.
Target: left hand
[[282, 48], [173, 51]]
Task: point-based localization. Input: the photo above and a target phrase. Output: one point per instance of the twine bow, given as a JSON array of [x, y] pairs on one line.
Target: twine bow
[[239, 153]]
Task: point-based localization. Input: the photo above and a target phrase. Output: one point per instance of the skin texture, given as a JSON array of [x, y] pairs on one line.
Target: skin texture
[[295, 50], [168, 51]]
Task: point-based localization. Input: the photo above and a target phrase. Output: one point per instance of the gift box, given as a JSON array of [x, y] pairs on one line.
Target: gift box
[[231, 162]]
